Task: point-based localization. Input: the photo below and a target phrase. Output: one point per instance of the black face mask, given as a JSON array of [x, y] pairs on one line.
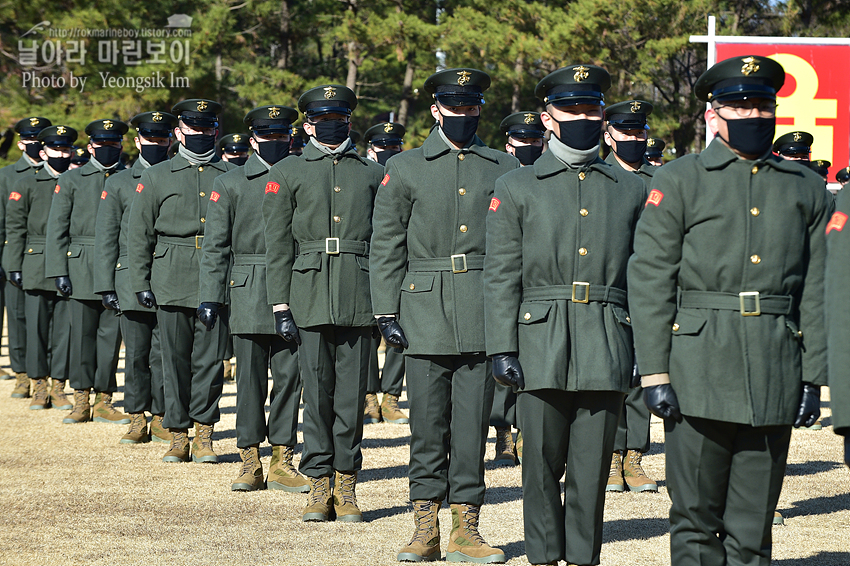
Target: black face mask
[[107, 155], [240, 161], [751, 136], [32, 149], [580, 134], [199, 143], [273, 151], [331, 132], [59, 164], [460, 129], [631, 151], [386, 154], [154, 154], [527, 154]]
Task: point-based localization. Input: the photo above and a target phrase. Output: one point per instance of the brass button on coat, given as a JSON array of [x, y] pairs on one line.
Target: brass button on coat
[[337, 219], [755, 169], [68, 254], [463, 228], [118, 266], [201, 168], [203, 220], [461, 157], [675, 326], [628, 319], [29, 251], [412, 286], [231, 283], [755, 259], [337, 189], [527, 316], [755, 211], [336, 161], [461, 191], [582, 251], [581, 176], [583, 212], [203, 194]]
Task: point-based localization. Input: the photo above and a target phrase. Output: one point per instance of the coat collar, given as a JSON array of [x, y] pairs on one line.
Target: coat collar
[[254, 167], [435, 146], [24, 163], [178, 163], [313, 153], [548, 165], [646, 168], [718, 156], [138, 169]]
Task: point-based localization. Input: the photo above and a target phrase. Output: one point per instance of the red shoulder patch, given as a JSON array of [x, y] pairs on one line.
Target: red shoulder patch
[[15, 195], [494, 204], [385, 180], [102, 195], [272, 187], [56, 190], [836, 222], [139, 187], [214, 196], [655, 197]]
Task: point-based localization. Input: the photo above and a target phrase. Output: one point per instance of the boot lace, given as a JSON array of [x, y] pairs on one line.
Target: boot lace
[[470, 524], [345, 488], [40, 391], [318, 491], [249, 461], [424, 513], [615, 466], [635, 459], [137, 423]]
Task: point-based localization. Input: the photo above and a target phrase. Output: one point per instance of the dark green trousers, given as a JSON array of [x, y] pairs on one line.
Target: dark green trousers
[[143, 389], [48, 335], [724, 481], [569, 434], [450, 402], [334, 364], [633, 428], [192, 368], [390, 378], [16, 321], [503, 414], [95, 342], [228, 348], [255, 355]]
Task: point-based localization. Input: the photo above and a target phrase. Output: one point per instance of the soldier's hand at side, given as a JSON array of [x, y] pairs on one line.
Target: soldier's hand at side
[[63, 283], [16, 279], [146, 299], [2, 275], [109, 299], [507, 371], [392, 332], [662, 402], [809, 410], [285, 326], [208, 314]]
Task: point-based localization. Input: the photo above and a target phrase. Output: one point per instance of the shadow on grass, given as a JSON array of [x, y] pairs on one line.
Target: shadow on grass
[[819, 559], [376, 514], [634, 529], [386, 473], [810, 468], [818, 506], [513, 549], [502, 494], [384, 442]]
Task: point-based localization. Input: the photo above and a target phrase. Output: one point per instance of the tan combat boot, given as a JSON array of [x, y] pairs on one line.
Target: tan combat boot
[[104, 412], [390, 411], [319, 500], [138, 432], [282, 472], [229, 374], [40, 396], [425, 544], [4, 375], [158, 432], [82, 408], [345, 498], [178, 450], [250, 476], [615, 475], [22, 386], [635, 477], [518, 446], [202, 448], [465, 542], [504, 445], [371, 409], [58, 399], [778, 519]]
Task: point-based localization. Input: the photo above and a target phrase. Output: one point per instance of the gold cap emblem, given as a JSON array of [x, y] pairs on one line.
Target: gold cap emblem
[[237, 138], [750, 66], [388, 127], [463, 77], [157, 116], [529, 118], [581, 73], [34, 121], [107, 124], [61, 130], [330, 92], [274, 112], [202, 105], [81, 152], [294, 130], [797, 136], [635, 106], [650, 142]]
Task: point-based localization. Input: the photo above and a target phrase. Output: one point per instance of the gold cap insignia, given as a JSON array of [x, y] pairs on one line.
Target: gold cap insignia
[[157, 116], [388, 127], [330, 92], [107, 124], [61, 130], [581, 73], [34, 121], [463, 77], [635, 106], [237, 138], [202, 105], [274, 112], [294, 131], [650, 142], [797, 136], [529, 118], [81, 152], [750, 66]]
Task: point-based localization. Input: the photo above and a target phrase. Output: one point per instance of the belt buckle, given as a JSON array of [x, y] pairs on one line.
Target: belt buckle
[[454, 265], [586, 286], [332, 250], [198, 242], [744, 311]]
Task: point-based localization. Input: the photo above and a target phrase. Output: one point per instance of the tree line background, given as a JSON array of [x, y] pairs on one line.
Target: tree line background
[[247, 53]]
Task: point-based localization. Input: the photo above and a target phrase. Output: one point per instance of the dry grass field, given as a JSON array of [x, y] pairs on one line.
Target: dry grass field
[[71, 495]]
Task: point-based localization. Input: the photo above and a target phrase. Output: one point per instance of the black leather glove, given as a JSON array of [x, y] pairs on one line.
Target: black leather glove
[[16, 279], [208, 314], [285, 326], [110, 300], [63, 283], [662, 402], [2, 275], [507, 371], [392, 332], [809, 410], [635, 380], [146, 299]]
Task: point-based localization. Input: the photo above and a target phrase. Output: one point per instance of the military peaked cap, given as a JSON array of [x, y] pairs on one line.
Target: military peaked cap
[[198, 112], [628, 115], [741, 77], [458, 87], [524, 124]]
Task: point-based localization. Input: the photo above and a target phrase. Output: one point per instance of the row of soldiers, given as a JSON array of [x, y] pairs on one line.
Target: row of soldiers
[[475, 267]]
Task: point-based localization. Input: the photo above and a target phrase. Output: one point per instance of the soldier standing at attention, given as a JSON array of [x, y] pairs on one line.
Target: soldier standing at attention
[[524, 131], [626, 135], [166, 230], [298, 141], [655, 151], [726, 289], [383, 141], [69, 259], [318, 215], [143, 389], [79, 157], [234, 236], [234, 148], [47, 318], [427, 288]]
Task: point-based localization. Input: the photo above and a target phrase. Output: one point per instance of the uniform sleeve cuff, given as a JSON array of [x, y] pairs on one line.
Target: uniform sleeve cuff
[[654, 379]]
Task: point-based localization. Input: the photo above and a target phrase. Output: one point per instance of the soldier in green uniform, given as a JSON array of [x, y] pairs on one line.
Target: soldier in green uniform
[[383, 141], [143, 389], [318, 216], [821, 167], [843, 176], [79, 157], [655, 151], [626, 135], [234, 148], [47, 318], [298, 141], [11, 296], [165, 234], [727, 304], [524, 131], [69, 259], [795, 146], [427, 288], [559, 236], [233, 236]]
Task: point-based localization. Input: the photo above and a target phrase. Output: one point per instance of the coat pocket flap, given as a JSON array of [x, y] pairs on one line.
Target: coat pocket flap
[[417, 283], [308, 262], [688, 323], [160, 250], [238, 278], [74, 251], [35, 249], [533, 312], [362, 262], [621, 315], [793, 328], [123, 263]]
